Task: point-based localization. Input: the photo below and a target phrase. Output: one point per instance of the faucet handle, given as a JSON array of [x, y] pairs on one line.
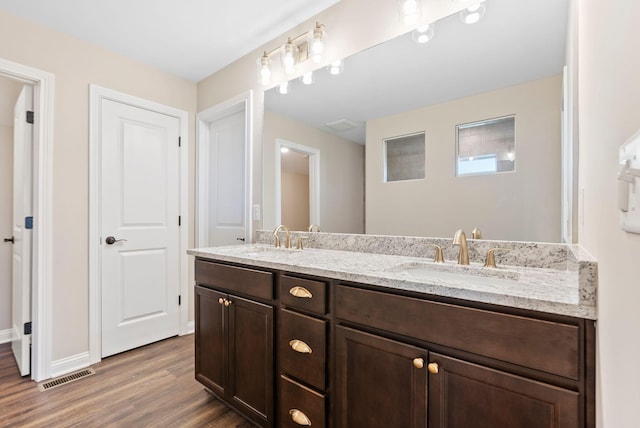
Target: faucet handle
[[476, 233], [490, 261], [299, 243], [438, 257]]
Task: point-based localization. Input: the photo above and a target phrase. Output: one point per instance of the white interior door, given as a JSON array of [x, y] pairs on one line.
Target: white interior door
[[22, 233], [227, 210], [140, 182]]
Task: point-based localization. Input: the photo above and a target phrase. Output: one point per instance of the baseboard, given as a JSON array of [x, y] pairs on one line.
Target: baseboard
[[70, 364], [7, 335]]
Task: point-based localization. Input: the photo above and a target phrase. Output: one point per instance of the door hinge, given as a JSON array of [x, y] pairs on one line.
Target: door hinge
[[179, 141], [179, 299], [27, 327], [28, 222], [179, 220], [29, 117]]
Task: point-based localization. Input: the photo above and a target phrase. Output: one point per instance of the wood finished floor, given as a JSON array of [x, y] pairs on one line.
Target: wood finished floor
[[152, 386]]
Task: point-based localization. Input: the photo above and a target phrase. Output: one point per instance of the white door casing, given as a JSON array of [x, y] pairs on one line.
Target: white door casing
[[138, 196], [224, 173], [22, 235]]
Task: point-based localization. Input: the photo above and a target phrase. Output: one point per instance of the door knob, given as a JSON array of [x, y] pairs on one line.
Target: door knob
[[12, 240], [111, 240]]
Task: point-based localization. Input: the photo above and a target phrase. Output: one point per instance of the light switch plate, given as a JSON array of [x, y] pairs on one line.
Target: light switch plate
[[255, 214]]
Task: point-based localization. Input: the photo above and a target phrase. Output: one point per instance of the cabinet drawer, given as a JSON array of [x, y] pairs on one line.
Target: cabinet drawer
[[244, 281], [303, 294], [300, 406], [302, 348], [548, 346]]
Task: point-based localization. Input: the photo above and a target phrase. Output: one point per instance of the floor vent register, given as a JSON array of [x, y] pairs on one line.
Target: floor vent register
[[63, 380]]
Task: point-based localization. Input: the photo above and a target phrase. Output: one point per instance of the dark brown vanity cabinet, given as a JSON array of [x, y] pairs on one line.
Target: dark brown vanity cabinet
[[462, 394], [234, 338], [302, 352], [425, 363], [380, 383], [353, 355]]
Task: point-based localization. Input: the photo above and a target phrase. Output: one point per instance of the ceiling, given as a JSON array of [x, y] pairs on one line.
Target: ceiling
[[517, 41], [189, 38]]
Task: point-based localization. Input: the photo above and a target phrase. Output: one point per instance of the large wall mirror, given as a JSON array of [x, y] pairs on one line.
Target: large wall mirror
[[511, 64]]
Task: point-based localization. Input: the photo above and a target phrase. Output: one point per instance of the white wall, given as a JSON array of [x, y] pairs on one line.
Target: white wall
[[609, 94], [523, 205], [6, 220], [341, 174], [75, 65]]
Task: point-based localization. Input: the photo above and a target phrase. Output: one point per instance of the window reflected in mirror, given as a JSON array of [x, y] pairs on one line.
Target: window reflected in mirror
[[486, 147], [405, 158]]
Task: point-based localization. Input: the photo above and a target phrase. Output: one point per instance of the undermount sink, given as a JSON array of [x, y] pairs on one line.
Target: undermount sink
[[454, 272]]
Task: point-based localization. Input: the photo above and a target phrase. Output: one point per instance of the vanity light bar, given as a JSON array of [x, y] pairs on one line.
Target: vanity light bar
[[293, 52]]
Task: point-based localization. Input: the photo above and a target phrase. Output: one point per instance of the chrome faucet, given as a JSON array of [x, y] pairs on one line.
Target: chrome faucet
[[286, 230], [461, 239]]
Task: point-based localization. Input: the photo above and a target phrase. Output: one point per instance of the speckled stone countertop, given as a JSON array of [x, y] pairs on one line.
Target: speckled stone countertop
[[567, 287]]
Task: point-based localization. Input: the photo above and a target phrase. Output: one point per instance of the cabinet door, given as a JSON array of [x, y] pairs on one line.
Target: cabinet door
[[211, 340], [251, 359], [379, 382], [463, 395]]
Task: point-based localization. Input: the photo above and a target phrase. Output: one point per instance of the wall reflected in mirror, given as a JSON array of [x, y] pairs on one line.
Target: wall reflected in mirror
[[506, 65]]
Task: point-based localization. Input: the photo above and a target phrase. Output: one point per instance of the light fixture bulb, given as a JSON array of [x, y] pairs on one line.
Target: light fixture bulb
[[307, 78], [422, 34], [283, 88], [473, 13], [284, 150], [289, 56], [316, 43], [336, 67], [409, 11], [264, 71]]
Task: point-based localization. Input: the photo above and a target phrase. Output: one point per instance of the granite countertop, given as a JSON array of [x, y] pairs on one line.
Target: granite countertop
[[560, 291]]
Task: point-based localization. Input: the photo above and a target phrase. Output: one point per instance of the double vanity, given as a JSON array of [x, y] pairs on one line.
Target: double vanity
[[370, 331]]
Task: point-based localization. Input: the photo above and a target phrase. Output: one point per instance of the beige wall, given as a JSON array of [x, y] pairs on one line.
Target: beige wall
[[6, 220], [523, 205], [341, 174], [295, 200], [75, 65], [609, 94]]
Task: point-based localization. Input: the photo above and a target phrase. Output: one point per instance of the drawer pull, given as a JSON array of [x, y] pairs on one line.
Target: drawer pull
[[418, 363], [300, 292], [433, 368], [300, 418], [300, 346]]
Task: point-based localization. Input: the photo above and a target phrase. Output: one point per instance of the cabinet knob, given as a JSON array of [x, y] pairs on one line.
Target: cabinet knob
[[227, 302], [300, 346], [300, 418], [221, 300], [300, 292], [418, 363], [433, 368]]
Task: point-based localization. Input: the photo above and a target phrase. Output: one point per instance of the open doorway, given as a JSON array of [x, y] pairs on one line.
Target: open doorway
[[297, 185], [9, 92], [33, 334]]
